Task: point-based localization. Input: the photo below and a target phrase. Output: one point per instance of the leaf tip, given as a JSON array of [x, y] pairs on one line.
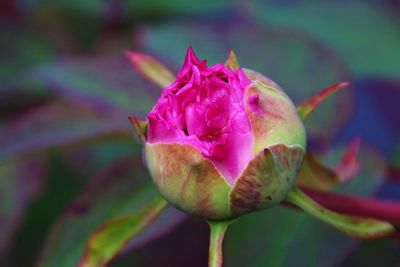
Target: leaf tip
[[312, 103], [140, 128], [349, 165], [232, 61]]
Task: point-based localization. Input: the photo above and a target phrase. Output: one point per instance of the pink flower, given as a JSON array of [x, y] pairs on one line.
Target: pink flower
[[204, 108], [221, 141]]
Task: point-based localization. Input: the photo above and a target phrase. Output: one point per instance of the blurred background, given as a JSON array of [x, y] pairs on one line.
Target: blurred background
[[67, 159]]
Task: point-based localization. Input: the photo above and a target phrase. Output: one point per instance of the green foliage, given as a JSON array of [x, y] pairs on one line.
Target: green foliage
[[106, 197], [66, 87], [111, 237]]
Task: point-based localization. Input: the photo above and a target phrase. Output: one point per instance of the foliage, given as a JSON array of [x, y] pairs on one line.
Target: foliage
[[69, 164]]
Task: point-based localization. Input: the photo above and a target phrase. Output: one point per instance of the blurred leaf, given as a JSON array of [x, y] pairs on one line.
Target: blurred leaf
[[351, 37], [21, 179], [232, 62], [370, 207], [151, 68], [93, 6], [117, 191], [295, 60], [21, 50], [132, 7], [280, 236], [359, 227], [313, 102], [110, 238], [384, 252], [57, 124], [371, 174], [139, 129], [349, 165], [108, 83], [158, 8], [314, 174]]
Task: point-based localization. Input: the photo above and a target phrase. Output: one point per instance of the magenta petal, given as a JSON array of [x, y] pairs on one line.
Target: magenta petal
[[160, 131], [232, 157], [195, 120], [205, 108]]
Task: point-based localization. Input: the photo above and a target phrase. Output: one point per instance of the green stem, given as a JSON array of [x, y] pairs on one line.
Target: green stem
[[217, 233], [359, 227]]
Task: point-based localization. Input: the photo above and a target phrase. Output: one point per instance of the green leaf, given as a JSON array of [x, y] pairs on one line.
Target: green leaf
[[383, 252], [111, 237], [371, 173], [364, 228], [263, 238], [151, 68], [121, 189], [311, 104], [314, 174], [284, 237], [162, 8]]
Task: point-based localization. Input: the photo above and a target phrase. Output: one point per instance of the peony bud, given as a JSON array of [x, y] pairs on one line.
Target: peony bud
[[222, 141]]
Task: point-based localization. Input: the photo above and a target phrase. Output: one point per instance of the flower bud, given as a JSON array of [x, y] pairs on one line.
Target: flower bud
[[223, 141]]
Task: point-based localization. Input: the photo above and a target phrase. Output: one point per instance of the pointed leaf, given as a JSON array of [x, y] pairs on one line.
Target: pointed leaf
[[381, 209], [316, 175], [57, 124], [121, 189], [111, 237], [359, 227], [286, 230], [370, 177], [151, 68], [349, 165], [140, 128], [311, 104], [232, 62]]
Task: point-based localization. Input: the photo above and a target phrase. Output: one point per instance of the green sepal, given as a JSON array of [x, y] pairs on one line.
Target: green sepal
[[267, 179], [355, 226], [188, 180], [140, 129], [276, 119], [232, 62]]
